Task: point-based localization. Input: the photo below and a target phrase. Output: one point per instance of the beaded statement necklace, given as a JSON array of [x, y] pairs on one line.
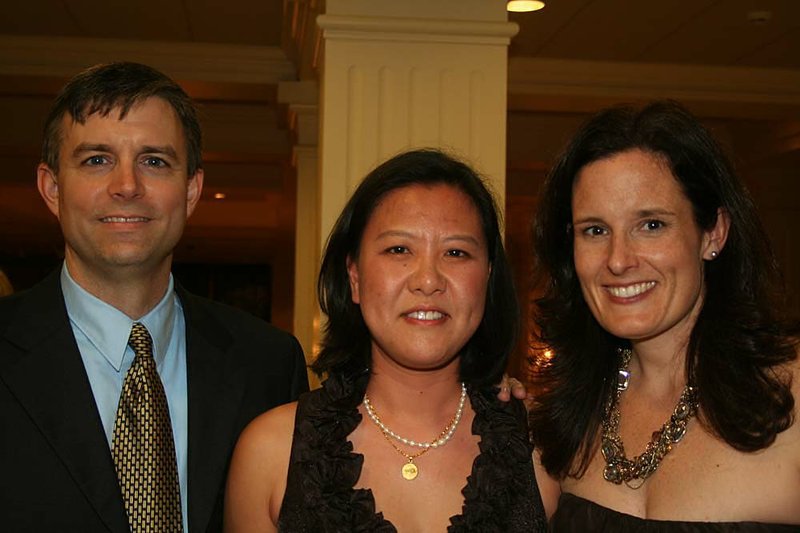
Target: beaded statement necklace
[[619, 469], [410, 470]]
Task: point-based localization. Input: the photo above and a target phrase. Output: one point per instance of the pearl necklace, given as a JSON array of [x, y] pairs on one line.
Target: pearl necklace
[[411, 470]]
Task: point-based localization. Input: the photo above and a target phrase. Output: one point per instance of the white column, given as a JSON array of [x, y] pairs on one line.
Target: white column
[[416, 73]]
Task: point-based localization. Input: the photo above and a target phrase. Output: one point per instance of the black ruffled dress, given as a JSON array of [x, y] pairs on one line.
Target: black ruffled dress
[[500, 495]]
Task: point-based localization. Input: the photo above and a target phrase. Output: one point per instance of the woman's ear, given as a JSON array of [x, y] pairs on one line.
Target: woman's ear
[[715, 238], [352, 273]]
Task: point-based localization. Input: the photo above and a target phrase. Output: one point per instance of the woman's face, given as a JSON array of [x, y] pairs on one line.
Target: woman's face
[[638, 250], [421, 276]]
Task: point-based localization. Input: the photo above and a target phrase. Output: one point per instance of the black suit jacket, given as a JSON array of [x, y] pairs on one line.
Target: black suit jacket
[[56, 470]]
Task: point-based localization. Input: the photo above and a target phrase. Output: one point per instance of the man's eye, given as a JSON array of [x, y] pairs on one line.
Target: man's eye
[[155, 162], [96, 160], [594, 231], [653, 225], [457, 253]]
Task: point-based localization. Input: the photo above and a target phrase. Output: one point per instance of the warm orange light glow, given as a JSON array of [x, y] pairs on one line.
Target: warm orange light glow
[[539, 359], [219, 196]]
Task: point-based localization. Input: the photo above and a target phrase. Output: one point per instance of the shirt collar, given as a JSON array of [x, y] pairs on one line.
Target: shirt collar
[[108, 328]]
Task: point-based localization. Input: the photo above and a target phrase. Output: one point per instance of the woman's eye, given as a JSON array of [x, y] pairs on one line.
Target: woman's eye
[[456, 253], [397, 250]]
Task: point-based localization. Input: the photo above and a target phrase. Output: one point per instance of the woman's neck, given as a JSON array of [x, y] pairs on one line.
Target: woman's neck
[[417, 403], [660, 361], [659, 366]]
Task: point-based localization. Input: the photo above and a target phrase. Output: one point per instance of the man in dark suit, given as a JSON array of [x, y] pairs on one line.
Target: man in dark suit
[[122, 171]]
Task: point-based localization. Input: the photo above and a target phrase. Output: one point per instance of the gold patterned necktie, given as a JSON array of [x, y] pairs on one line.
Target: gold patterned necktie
[[142, 446]]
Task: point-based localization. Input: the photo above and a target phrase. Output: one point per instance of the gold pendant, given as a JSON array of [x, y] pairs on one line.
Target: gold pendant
[[410, 471]]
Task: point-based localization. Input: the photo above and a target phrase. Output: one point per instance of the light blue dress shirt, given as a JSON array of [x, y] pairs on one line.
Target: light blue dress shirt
[[102, 332]]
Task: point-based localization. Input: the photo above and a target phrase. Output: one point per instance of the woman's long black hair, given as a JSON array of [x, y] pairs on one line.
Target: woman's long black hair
[[740, 339]]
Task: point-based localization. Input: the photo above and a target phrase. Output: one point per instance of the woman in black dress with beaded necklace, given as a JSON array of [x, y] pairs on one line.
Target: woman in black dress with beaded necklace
[[407, 433], [661, 304]]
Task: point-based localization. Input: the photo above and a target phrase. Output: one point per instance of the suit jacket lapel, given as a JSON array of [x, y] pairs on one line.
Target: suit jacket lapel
[[47, 376], [215, 391]]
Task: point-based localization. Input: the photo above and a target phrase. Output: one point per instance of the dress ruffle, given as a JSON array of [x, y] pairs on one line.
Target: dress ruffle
[[495, 483], [330, 469]]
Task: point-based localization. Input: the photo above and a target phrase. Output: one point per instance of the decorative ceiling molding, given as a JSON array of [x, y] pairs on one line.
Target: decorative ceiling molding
[[736, 92], [302, 38], [33, 56]]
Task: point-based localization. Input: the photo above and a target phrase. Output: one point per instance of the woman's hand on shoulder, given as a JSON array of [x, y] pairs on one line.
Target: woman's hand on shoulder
[[257, 475], [511, 387]]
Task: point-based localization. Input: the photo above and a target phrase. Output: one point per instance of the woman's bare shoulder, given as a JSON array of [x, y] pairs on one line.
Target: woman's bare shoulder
[[271, 428], [549, 487], [265, 445], [793, 370], [257, 476], [791, 437]]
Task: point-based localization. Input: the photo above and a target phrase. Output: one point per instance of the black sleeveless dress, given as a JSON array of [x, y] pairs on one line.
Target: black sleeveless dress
[[501, 494], [578, 514]]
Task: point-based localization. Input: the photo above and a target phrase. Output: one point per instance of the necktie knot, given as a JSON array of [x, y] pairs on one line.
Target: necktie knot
[[140, 340]]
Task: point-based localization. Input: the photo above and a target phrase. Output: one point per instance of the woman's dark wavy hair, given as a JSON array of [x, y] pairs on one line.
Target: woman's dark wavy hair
[[346, 345], [740, 338]]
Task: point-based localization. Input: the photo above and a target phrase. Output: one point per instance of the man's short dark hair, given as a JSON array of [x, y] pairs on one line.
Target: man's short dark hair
[[103, 88]]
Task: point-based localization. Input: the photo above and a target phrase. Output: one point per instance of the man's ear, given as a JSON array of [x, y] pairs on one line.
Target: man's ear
[[194, 189], [47, 183], [352, 273], [715, 238]]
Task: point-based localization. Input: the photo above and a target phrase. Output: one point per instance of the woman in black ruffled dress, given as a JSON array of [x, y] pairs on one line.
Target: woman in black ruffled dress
[[407, 433]]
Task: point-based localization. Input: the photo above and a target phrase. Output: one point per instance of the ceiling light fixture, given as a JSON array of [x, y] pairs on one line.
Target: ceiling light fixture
[[523, 6], [759, 18], [220, 196]]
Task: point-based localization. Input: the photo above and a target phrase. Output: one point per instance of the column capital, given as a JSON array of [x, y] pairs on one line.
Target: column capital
[[468, 10], [403, 29]]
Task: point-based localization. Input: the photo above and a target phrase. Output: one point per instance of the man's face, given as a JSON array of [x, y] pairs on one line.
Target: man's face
[[122, 194]]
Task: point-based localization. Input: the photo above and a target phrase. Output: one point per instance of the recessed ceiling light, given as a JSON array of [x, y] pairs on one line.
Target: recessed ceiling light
[[219, 196], [523, 6], [759, 18]]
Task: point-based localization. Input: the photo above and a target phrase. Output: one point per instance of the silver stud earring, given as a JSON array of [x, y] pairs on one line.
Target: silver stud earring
[[714, 254]]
